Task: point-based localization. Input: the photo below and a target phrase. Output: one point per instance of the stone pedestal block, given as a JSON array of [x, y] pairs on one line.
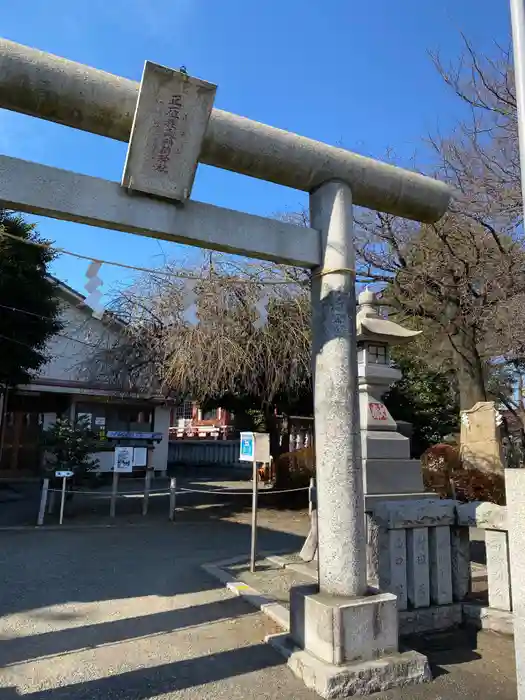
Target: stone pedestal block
[[381, 444], [339, 630], [392, 476], [342, 646]]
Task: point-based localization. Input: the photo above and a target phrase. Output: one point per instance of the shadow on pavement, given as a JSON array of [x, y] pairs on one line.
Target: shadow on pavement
[[73, 639], [18, 503], [168, 678], [445, 648], [42, 568]]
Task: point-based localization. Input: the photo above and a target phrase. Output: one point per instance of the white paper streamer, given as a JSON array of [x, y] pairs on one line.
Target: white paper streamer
[[189, 299], [93, 283], [93, 300], [261, 308], [93, 268]]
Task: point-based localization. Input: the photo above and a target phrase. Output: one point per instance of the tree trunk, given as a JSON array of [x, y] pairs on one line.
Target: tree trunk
[[469, 370], [272, 426]]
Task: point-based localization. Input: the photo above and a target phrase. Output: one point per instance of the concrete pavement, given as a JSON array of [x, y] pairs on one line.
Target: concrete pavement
[[128, 613]]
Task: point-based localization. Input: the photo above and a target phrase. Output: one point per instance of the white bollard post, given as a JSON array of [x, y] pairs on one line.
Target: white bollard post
[[173, 498], [43, 502], [253, 549], [340, 501], [62, 500]]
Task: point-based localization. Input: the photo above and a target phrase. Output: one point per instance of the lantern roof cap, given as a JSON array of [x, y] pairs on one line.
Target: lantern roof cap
[[371, 326]]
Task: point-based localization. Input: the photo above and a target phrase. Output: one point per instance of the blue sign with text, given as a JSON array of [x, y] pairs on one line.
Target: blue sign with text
[[247, 447], [132, 435]]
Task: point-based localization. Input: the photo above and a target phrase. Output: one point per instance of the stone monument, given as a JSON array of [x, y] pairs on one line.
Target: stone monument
[[387, 467], [481, 445]]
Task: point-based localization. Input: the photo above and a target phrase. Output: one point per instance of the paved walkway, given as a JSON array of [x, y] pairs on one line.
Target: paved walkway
[[128, 613]]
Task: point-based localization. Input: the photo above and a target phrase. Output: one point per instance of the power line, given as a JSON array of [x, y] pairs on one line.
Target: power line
[[25, 311], [62, 335], [45, 318], [64, 251], [153, 271]]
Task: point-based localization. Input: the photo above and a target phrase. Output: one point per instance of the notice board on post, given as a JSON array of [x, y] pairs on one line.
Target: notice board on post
[[255, 447]]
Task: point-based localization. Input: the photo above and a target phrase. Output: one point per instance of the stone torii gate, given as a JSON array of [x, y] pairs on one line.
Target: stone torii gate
[[343, 636]]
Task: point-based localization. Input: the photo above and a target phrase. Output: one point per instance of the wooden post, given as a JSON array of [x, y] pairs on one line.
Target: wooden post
[[51, 503], [253, 552], [62, 500], [311, 496], [147, 486], [310, 545], [114, 491], [43, 502], [173, 498]]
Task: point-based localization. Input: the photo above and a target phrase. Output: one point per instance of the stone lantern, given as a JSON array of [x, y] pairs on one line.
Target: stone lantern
[[387, 467]]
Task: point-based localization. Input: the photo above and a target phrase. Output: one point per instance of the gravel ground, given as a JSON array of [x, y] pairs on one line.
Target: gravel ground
[[128, 613]]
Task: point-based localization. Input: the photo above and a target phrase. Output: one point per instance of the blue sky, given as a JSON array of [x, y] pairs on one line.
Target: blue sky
[[355, 74]]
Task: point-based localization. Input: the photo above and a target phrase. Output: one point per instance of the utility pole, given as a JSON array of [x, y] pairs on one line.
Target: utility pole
[[517, 13], [515, 478]]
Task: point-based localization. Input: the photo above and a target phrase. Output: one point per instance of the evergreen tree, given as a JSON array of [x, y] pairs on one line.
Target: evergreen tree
[[425, 397], [29, 308]]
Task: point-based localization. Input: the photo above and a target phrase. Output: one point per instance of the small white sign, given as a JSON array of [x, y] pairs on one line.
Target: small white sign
[[140, 456], [170, 121], [123, 459], [100, 421], [64, 474], [262, 448]]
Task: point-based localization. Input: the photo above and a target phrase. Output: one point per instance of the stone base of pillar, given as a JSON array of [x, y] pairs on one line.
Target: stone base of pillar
[[356, 679], [347, 646]]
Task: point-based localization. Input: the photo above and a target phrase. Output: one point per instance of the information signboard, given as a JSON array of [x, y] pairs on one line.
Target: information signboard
[[123, 462], [247, 453]]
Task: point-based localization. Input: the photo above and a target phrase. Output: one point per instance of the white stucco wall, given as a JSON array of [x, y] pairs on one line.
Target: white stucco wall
[[69, 357], [161, 421]]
